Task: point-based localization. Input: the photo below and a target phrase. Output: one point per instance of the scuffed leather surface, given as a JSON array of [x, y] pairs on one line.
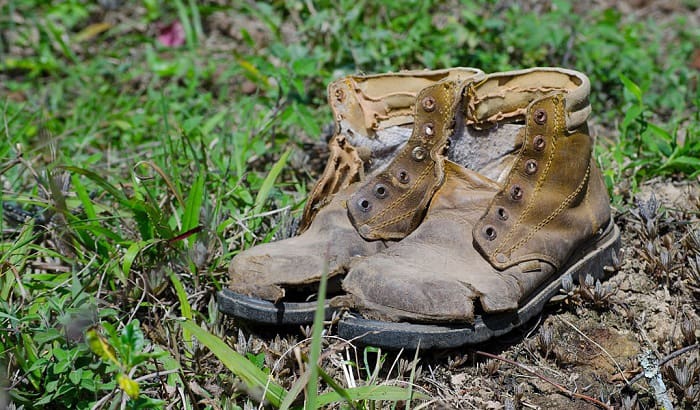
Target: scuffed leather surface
[[331, 243], [344, 167], [434, 274]]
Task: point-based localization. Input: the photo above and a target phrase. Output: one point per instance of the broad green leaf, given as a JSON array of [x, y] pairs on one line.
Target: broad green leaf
[[238, 364], [100, 346], [305, 66], [48, 335], [683, 161], [130, 387], [132, 341], [75, 376], [630, 116], [660, 132]]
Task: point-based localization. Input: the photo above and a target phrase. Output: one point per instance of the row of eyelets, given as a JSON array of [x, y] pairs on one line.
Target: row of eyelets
[[418, 154], [516, 191], [538, 143]]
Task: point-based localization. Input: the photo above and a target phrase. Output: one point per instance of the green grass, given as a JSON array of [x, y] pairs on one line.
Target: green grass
[[143, 169]]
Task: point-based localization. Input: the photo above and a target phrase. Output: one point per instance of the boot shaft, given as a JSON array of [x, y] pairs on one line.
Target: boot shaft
[[536, 120], [373, 117]]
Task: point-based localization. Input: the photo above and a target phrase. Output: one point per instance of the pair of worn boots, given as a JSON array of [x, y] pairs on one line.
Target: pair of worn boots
[[452, 205]]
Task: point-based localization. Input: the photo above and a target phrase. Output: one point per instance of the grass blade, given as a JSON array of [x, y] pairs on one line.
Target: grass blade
[[316, 335], [193, 204], [336, 387], [386, 393], [295, 390], [238, 364], [269, 182], [412, 378], [130, 256], [185, 308]]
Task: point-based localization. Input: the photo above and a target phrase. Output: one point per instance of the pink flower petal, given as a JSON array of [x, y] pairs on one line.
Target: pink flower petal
[[171, 35]]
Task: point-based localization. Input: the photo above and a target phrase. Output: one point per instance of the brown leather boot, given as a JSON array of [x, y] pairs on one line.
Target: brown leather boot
[[273, 282], [481, 255]]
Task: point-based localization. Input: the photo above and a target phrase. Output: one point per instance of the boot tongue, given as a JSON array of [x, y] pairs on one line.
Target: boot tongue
[[391, 204]]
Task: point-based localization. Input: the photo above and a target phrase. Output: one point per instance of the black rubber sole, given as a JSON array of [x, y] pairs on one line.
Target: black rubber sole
[[403, 335], [263, 311]]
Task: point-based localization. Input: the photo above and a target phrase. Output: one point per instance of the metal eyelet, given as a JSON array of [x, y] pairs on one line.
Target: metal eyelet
[[428, 104], [530, 166], [516, 192], [539, 143], [380, 191], [404, 178], [339, 95], [429, 129], [502, 213], [364, 205], [540, 116], [418, 154], [490, 232]]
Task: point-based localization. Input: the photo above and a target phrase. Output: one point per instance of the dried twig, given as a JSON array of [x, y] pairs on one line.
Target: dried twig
[[547, 380]]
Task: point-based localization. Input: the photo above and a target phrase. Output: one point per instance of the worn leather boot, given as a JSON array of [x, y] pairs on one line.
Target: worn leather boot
[[480, 254], [273, 282]]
